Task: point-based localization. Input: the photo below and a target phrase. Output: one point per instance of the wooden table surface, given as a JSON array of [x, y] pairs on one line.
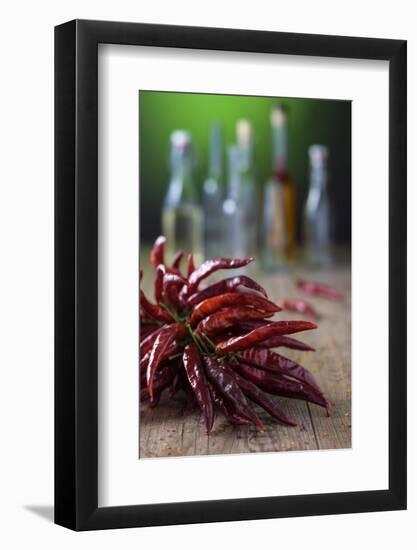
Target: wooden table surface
[[172, 430]]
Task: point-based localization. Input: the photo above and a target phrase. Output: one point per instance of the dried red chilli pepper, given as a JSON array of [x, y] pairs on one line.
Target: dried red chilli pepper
[[163, 379], [288, 388], [172, 349], [190, 265], [231, 299], [195, 373], [299, 306], [224, 363], [224, 380], [226, 285], [164, 338], [173, 279], [278, 384], [172, 284], [274, 362], [226, 408], [260, 398], [166, 276], [157, 252], [154, 311], [284, 342], [144, 317], [158, 285], [243, 327], [147, 329], [273, 342], [225, 319], [145, 321], [319, 289], [147, 342], [182, 296], [263, 333], [210, 266], [160, 378]]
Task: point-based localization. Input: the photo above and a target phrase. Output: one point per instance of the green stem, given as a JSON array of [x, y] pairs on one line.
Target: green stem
[[196, 341], [197, 338], [200, 339], [209, 341], [170, 311]]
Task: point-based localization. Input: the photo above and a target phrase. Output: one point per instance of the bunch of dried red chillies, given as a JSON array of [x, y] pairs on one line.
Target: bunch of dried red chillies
[[213, 343]]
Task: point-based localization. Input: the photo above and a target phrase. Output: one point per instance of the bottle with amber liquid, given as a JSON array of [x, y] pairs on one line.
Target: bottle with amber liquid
[[279, 210], [182, 216]]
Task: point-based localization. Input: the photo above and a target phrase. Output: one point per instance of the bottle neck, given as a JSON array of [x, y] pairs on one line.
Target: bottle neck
[[181, 167], [318, 176], [280, 151], [215, 161], [318, 166], [234, 171], [246, 162], [182, 173], [241, 176]]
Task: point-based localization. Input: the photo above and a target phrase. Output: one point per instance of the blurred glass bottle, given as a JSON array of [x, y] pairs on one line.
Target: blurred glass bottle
[[317, 213], [278, 224], [239, 208], [247, 201], [182, 219], [213, 195]]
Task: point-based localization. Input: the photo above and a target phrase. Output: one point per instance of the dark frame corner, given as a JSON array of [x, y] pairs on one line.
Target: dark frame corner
[[76, 177]]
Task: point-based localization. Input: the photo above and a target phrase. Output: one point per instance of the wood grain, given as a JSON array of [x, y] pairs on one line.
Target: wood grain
[[172, 430]]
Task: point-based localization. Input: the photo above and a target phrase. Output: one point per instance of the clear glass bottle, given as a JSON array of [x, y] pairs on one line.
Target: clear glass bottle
[[182, 218], [213, 195], [247, 199], [317, 213], [232, 241], [279, 206], [239, 208]]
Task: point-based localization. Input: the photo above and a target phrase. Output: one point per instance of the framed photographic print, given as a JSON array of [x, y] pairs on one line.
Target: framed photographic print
[[230, 275]]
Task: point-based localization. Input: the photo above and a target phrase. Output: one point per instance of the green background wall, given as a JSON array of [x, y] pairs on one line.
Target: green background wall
[[310, 121]]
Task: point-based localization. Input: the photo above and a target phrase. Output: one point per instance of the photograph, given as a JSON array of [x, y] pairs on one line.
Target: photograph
[[245, 274]]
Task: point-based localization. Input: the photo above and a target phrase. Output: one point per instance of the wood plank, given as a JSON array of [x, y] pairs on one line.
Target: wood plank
[[171, 430]]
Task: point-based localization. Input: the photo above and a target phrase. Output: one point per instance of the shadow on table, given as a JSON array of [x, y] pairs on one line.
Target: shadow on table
[[45, 512]]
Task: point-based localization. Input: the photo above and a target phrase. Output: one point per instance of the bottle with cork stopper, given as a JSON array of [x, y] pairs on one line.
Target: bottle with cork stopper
[[279, 222]]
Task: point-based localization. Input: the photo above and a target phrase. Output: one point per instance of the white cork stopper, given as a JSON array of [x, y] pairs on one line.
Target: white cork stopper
[[181, 139], [278, 117], [244, 132], [318, 153]]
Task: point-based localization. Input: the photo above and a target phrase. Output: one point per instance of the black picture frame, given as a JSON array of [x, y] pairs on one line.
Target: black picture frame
[[76, 272]]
